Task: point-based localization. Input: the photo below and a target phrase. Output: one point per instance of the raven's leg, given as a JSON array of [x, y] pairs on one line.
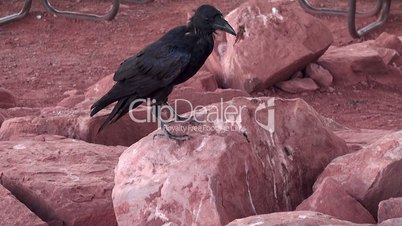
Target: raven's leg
[[172, 136], [178, 117], [161, 98], [166, 131]]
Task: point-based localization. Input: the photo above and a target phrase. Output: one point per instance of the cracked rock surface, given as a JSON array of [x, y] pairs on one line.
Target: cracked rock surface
[[62, 181], [255, 164]]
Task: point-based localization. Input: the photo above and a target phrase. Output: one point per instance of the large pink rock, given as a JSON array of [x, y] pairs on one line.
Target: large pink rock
[[78, 125], [275, 40], [64, 181], [328, 198], [298, 85], [7, 99], [17, 112], [371, 174], [390, 56], [392, 222], [13, 212], [319, 74], [124, 132], [356, 139], [262, 159], [389, 41], [390, 208], [359, 62], [54, 120], [308, 218]]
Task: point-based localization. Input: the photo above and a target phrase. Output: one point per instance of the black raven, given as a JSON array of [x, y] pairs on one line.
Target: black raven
[[171, 60]]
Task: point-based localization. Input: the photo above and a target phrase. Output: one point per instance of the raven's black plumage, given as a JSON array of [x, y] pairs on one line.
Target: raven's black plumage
[[173, 59]]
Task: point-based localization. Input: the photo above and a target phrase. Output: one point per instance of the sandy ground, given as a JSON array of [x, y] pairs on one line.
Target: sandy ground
[[42, 56]]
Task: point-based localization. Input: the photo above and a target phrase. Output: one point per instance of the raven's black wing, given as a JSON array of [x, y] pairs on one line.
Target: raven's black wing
[[153, 68]]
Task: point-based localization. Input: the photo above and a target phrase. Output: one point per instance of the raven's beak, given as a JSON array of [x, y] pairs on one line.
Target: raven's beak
[[222, 24]]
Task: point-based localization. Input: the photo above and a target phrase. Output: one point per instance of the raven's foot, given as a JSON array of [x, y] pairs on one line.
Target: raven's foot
[[171, 136], [174, 137], [180, 119], [184, 119]]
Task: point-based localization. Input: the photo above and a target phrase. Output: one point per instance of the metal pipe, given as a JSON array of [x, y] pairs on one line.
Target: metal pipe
[[338, 12], [16, 16], [109, 16], [382, 9], [383, 16]]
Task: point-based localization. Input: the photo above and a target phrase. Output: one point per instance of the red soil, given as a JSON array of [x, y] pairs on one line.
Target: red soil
[[42, 55]]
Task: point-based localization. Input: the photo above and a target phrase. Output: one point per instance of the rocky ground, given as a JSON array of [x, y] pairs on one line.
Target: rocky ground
[[315, 141]]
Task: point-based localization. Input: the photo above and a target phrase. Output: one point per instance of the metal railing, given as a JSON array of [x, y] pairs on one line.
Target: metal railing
[[381, 9], [47, 5]]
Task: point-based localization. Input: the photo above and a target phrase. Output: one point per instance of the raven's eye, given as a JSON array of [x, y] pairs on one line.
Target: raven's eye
[[217, 17]]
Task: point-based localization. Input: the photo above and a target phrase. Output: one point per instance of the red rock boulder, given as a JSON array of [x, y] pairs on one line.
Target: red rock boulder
[[291, 218], [319, 74], [17, 112], [357, 139], [389, 41], [392, 222], [275, 40], [358, 63], [124, 132], [57, 121], [329, 197], [298, 85], [64, 181], [13, 212], [390, 208], [261, 156], [370, 175]]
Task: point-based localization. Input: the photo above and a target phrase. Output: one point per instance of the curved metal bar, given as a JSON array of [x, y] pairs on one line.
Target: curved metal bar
[[385, 9], [305, 4], [16, 16], [109, 16]]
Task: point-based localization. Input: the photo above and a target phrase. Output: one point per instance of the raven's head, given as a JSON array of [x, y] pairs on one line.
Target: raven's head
[[208, 19]]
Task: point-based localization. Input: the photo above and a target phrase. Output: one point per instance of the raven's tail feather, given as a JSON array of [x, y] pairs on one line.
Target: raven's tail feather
[[121, 108], [110, 97], [101, 104], [117, 108]]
